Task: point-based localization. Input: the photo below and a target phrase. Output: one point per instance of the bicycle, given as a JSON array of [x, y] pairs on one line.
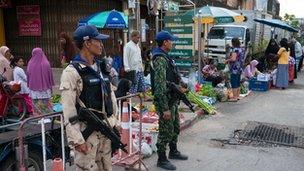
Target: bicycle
[[12, 105]]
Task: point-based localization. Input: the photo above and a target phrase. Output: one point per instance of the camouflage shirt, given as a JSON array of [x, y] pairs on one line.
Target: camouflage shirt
[[160, 66]]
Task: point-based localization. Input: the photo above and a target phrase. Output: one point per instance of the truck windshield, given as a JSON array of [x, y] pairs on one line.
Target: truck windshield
[[226, 32]]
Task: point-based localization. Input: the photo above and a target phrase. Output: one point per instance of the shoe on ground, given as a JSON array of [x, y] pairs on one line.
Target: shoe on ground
[[166, 164], [177, 155]]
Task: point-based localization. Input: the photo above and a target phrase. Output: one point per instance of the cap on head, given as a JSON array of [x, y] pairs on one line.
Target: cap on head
[[165, 35], [87, 32]]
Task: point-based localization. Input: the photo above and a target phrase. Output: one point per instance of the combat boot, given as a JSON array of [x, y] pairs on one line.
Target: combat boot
[[175, 154], [164, 163]]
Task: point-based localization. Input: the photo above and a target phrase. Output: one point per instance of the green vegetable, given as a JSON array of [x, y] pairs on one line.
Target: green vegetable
[[56, 98], [149, 94], [208, 90], [243, 89], [194, 98]]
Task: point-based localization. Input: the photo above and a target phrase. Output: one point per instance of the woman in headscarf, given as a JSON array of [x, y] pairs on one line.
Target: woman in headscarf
[[271, 54], [251, 69], [40, 81], [5, 57]]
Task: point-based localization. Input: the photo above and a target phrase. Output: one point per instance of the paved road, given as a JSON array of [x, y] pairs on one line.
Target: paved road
[[275, 106]]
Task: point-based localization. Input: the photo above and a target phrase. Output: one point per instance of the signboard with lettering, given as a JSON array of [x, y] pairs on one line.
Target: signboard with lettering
[[29, 20], [179, 19], [179, 30], [181, 53], [183, 63], [183, 41]]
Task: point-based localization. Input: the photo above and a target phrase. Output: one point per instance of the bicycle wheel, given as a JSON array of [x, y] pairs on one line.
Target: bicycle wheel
[[17, 109]]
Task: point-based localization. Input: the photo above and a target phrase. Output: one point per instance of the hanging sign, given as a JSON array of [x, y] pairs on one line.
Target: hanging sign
[[29, 20]]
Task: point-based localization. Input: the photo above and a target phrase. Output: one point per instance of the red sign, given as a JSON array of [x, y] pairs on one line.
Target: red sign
[[29, 20]]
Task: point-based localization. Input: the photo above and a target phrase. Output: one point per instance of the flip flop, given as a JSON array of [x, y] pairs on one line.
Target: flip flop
[[232, 100]]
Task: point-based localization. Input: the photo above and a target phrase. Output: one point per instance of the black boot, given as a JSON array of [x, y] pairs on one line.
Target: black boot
[[175, 154], [164, 163]]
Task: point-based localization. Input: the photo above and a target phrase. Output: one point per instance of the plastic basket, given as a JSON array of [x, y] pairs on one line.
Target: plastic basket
[[255, 85]]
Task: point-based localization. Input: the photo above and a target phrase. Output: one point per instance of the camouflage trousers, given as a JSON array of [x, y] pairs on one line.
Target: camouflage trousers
[[99, 154], [168, 130]]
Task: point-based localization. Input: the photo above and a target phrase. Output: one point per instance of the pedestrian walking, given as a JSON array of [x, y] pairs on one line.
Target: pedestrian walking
[[40, 81], [298, 54], [282, 71], [5, 68], [133, 65], [84, 81], [20, 76], [236, 62], [292, 53], [164, 71]]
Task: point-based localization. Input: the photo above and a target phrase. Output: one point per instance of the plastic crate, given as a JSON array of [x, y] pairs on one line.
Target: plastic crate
[[256, 85]]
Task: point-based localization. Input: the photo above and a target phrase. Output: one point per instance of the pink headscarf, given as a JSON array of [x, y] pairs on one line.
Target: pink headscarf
[[250, 69], [39, 72], [5, 63]]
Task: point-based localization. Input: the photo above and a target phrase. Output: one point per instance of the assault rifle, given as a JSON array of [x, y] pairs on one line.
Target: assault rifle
[[176, 94], [95, 123]]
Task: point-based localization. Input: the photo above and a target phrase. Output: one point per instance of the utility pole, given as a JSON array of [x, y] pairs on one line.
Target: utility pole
[[137, 15], [134, 16]]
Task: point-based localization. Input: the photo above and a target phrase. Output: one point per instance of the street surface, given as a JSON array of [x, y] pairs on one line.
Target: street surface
[[275, 106], [205, 154]]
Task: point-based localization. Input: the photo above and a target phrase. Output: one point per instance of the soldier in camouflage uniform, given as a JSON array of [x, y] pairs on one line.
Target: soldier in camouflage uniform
[[164, 71]]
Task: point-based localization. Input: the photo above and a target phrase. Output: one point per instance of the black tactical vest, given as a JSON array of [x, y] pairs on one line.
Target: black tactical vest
[[93, 88], [172, 73]]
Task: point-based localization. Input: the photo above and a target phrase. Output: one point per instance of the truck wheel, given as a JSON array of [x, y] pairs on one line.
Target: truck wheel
[[35, 162]]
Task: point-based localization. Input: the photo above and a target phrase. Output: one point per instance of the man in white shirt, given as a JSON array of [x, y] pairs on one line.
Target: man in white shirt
[[298, 52], [133, 63]]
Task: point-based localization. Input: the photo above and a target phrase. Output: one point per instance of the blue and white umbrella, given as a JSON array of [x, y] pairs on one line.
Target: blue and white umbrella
[[106, 19]]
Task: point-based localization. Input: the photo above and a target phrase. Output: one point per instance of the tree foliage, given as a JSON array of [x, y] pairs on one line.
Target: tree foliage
[[291, 20]]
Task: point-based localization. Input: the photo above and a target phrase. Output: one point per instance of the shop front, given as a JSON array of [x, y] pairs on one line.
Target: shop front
[[29, 24]]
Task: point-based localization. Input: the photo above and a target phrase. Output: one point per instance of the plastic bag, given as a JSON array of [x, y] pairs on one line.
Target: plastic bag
[[146, 150]]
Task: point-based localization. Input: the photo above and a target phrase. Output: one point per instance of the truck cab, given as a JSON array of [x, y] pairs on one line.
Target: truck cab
[[219, 38]]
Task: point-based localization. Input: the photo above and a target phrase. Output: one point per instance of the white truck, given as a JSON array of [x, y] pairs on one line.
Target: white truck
[[219, 37], [250, 33]]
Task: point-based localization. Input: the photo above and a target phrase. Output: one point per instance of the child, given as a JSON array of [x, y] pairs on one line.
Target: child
[[20, 76]]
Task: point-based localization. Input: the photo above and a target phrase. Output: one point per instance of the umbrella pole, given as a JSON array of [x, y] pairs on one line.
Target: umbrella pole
[[199, 25]]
